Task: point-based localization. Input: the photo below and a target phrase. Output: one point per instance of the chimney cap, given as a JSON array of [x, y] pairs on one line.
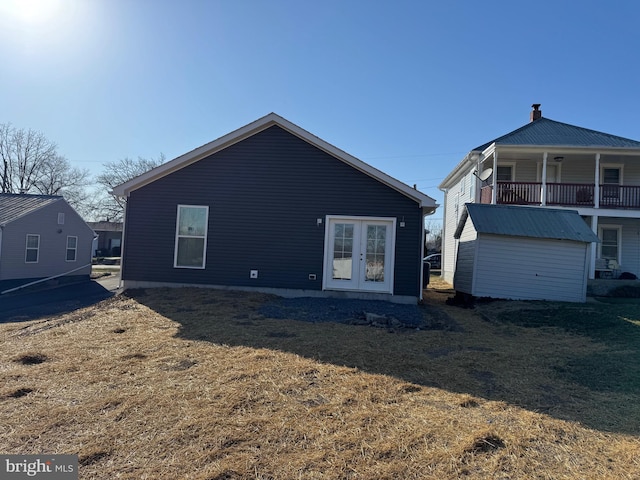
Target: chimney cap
[[536, 113]]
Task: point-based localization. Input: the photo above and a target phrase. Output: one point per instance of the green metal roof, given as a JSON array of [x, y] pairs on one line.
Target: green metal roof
[[14, 206], [543, 132], [521, 221]]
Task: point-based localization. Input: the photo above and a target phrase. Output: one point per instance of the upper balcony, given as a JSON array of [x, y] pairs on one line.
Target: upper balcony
[[564, 194]]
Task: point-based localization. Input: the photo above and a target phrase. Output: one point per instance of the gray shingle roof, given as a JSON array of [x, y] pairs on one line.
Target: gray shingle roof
[[544, 131], [14, 206], [519, 221]]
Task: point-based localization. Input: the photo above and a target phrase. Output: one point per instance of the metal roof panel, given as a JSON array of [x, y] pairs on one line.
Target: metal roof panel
[[14, 206], [522, 221]]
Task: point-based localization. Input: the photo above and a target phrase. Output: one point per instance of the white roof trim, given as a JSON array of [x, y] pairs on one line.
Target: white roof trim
[[263, 123]]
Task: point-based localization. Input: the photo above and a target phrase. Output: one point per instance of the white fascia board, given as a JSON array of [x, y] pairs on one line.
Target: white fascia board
[[261, 124], [465, 165]]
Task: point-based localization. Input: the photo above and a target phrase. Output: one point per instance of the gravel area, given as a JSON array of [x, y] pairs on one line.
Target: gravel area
[[311, 309]]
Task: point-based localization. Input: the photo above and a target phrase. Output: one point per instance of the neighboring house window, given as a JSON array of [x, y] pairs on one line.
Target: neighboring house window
[[504, 173], [72, 249], [610, 247], [61, 219], [191, 236], [32, 249]]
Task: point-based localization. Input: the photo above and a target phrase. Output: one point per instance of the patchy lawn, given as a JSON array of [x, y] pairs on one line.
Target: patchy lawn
[[199, 384]]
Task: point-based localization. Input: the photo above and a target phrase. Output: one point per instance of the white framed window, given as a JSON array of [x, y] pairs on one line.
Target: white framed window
[[32, 250], [610, 246], [506, 172], [191, 236], [72, 249], [61, 219]]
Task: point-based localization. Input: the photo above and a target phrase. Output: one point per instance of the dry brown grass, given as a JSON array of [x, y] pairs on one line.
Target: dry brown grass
[[196, 384]]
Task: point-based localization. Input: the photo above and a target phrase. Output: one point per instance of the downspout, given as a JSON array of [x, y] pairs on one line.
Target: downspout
[[423, 240], [122, 243]]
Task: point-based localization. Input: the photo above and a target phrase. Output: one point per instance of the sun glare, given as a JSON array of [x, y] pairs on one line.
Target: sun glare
[[32, 11]]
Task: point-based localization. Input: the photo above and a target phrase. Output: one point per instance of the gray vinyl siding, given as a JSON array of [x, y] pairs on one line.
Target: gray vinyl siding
[[530, 269], [265, 195], [465, 265], [53, 244]]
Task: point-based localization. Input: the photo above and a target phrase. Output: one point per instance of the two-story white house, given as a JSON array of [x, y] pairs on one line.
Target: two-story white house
[[552, 164]]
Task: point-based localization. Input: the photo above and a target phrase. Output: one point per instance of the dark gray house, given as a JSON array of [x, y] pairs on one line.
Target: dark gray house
[[273, 208], [109, 238], [41, 236]]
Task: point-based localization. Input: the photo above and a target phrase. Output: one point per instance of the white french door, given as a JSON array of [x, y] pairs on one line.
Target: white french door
[[359, 254]]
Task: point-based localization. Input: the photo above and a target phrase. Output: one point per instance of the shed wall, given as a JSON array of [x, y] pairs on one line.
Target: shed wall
[[530, 269], [265, 196]]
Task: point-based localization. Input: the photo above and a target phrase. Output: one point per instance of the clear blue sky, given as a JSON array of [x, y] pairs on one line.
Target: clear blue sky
[[407, 86]]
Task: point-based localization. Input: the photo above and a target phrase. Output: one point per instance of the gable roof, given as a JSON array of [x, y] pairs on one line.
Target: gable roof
[[547, 132], [520, 221], [14, 206], [255, 127], [105, 226]]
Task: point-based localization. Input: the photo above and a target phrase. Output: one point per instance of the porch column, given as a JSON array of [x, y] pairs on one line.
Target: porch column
[[596, 192], [543, 189], [494, 186], [593, 249]]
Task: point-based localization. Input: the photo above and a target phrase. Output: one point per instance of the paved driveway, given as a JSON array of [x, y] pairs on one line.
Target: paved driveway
[[23, 306]]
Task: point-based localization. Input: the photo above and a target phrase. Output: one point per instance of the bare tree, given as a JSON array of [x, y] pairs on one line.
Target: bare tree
[[109, 206], [58, 177], [433, 240], [24, 153], [31, 164]]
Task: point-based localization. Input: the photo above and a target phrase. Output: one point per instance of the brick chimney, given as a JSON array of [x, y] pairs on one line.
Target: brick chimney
[[536, 113]]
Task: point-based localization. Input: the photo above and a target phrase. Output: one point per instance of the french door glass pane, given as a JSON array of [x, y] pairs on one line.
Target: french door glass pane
[[375, 254], [343, 251]]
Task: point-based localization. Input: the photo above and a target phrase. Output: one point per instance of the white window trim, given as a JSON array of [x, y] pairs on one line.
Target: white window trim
[[26, 248], [610, 227], [206, 232], [507, 164], [619, 166], [75, 249], [61, 218]]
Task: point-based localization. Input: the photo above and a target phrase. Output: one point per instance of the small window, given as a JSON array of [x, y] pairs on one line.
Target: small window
[[504, 173], [32, 249], [61, 219], [72, 249], [610, 246], [191, 236]]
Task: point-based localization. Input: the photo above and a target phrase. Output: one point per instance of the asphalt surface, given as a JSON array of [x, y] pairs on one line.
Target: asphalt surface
[[32, 304]]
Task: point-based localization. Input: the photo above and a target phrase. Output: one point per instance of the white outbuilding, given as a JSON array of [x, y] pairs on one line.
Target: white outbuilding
[[522, 253]]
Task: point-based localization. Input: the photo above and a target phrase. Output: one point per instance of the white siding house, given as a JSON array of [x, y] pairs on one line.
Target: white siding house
[[547, 163], [522, 253]]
